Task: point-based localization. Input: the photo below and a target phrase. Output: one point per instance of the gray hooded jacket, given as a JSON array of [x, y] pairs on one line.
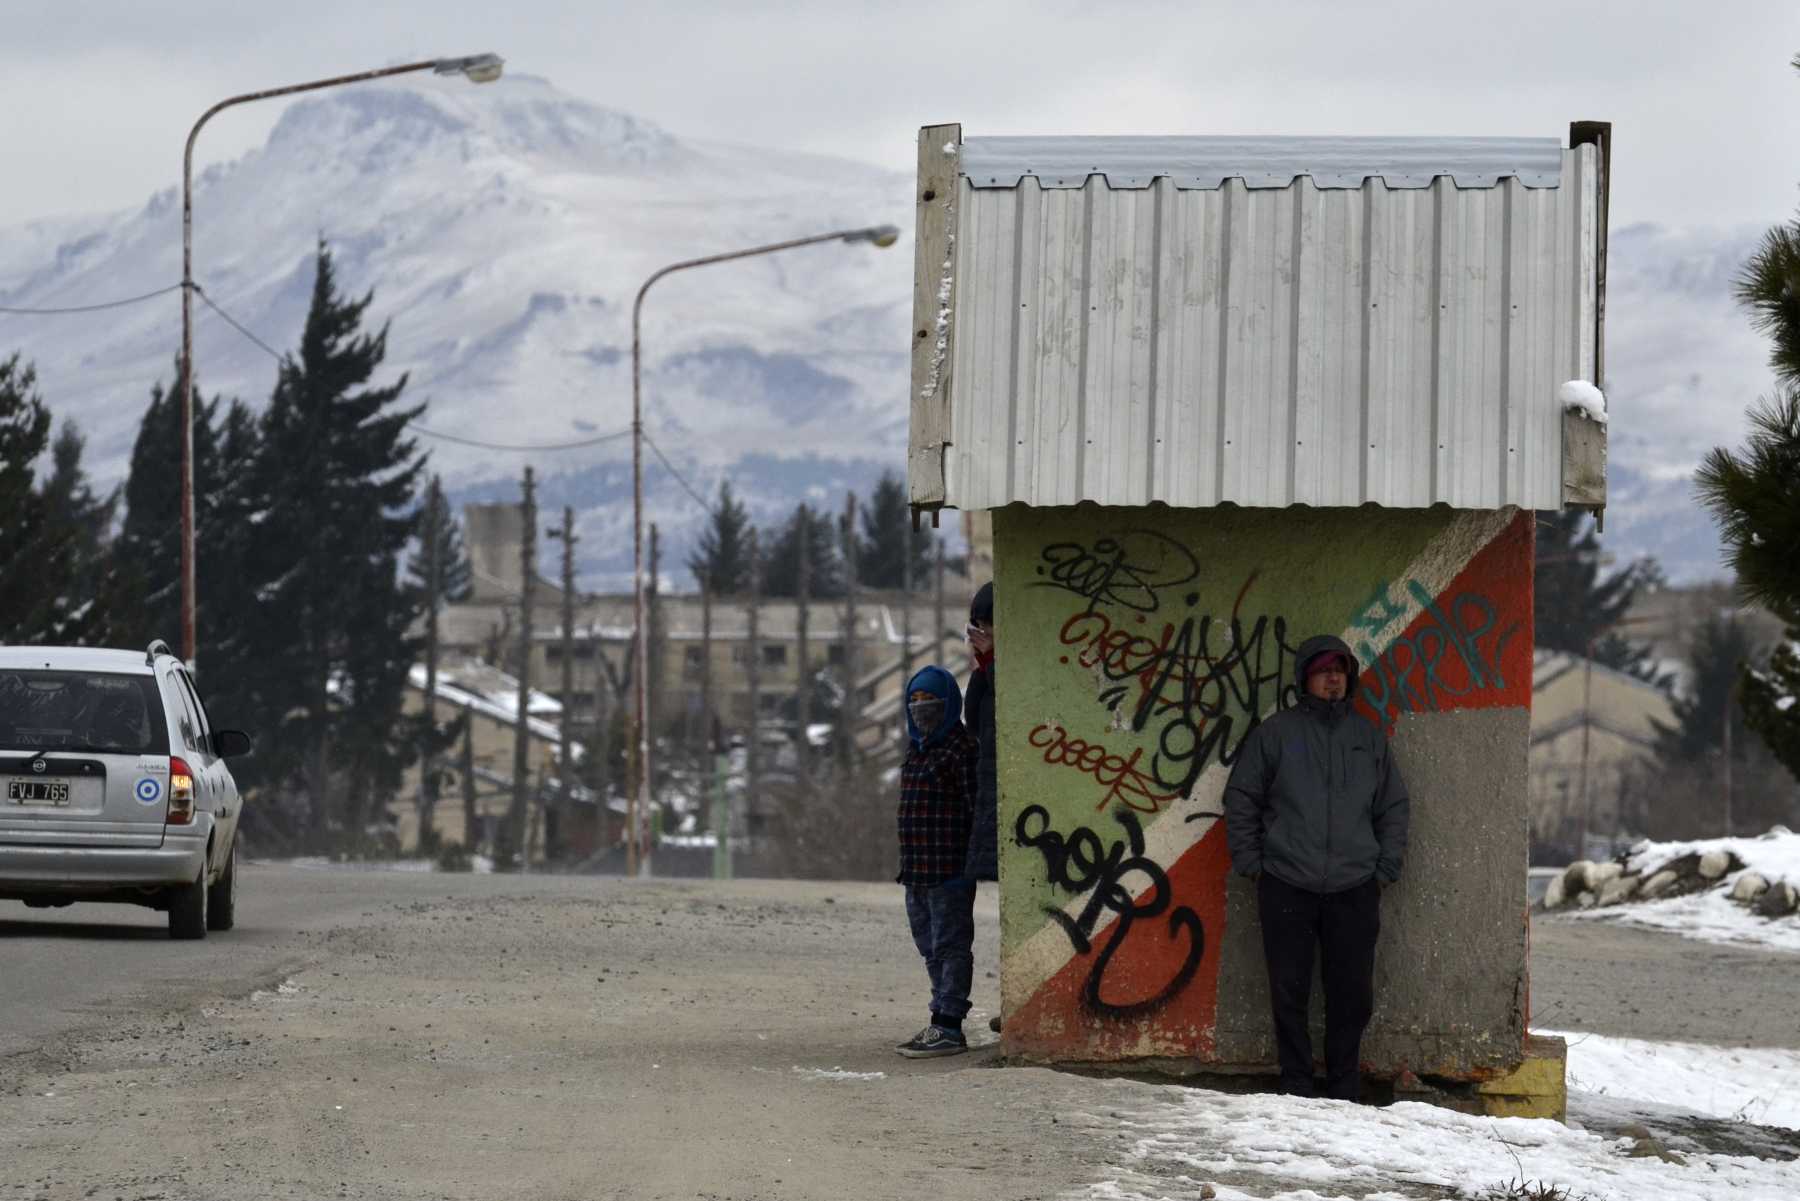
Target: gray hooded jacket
[[1315, 798]]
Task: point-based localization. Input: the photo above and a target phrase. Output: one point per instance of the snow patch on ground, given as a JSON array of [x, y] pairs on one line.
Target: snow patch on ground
[[1744, 1084], [1176, 1142], [1711, 916], [837, 1074]]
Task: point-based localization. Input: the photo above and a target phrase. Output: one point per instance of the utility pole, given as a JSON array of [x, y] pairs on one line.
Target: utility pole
[[937, 606], [652, 694], [565, 767], [471, 818], [906, 634], [515, 818], [752, 751], [803, 687], [848, 733], [434, 587]]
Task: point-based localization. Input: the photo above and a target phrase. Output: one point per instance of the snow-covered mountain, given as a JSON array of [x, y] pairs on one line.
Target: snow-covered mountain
[[506, 229]]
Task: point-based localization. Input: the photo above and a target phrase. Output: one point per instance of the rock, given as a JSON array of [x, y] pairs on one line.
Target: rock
[[1658, 884], [1618, 890], [1775, 831], [1601, 873], [1575, 878], [1586, 900], [1648, 1148], [1714, 864], [1749, 886], [1778, 901], [1555, 895]]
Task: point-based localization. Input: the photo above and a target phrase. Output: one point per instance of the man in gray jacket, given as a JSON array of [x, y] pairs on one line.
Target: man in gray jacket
[[1315, 814]]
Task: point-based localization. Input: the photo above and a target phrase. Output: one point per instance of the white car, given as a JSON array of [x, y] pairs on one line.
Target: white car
[[113, 785]]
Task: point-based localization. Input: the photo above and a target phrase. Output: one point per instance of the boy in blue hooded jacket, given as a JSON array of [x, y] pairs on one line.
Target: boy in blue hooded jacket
[[939, 786]]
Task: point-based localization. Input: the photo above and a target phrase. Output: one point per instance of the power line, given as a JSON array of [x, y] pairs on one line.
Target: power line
[[477, 443], [679, 479], [233, 323], [92, 308]]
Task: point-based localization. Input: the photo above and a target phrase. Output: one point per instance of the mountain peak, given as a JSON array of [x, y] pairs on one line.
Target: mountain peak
[[380, 126]]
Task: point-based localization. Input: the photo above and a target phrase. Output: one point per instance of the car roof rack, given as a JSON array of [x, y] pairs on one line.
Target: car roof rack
[[157, 647]]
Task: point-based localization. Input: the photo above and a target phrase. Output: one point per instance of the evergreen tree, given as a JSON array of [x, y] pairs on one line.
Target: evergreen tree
[[722, 560], [26, 579], [888, 546], [333, 625], [1754, 496], [1720, 648], [825, 567], [455, 573], [1576, 609], [77, 526]]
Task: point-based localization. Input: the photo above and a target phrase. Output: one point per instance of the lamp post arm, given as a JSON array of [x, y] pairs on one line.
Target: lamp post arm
[[189, 586]]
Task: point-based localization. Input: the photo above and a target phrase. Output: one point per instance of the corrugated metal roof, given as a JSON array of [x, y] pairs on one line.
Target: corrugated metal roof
[[1269, 346], [1207, 162]]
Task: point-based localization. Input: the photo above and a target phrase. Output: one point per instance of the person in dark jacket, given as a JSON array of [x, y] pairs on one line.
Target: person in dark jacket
[[978, 715], [1316, 815], [938, 790]]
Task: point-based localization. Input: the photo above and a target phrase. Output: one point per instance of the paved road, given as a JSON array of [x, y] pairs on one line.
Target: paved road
[[1607, 978]]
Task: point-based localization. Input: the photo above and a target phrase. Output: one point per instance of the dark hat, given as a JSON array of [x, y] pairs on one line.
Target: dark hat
[[982, 607], [1326, 661]]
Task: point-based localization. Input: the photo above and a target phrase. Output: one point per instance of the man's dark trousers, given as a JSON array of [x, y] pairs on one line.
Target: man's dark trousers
[[1343, 927]]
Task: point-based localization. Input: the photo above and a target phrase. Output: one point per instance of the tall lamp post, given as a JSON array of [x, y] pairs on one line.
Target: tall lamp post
[[639, 805], [477, 68]]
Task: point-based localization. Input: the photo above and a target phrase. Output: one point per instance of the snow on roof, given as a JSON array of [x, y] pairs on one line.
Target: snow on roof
[[500, 704]]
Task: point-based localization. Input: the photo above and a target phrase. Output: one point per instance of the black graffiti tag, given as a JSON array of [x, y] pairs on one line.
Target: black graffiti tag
[[1077, 863], [1125, 570]]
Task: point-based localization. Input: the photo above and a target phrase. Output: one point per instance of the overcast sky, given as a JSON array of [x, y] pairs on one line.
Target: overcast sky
[[97, 95]]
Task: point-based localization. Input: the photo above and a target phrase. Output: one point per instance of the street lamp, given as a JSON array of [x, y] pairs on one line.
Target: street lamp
[[476, 68], [639, 803]]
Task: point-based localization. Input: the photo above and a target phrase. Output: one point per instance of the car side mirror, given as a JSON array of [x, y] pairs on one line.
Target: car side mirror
[[228, 744]]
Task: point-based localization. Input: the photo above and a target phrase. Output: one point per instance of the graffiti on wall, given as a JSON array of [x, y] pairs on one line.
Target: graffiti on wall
[[1147, 658], [1081, 864]]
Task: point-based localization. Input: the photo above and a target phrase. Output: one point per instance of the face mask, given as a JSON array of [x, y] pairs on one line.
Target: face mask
[[926, 714]]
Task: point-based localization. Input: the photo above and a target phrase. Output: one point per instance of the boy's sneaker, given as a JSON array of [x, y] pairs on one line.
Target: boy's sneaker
[[914, 1040], [934, 1041]]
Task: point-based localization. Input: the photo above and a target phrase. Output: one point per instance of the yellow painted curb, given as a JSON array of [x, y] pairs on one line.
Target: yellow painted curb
[[1537, 1088]]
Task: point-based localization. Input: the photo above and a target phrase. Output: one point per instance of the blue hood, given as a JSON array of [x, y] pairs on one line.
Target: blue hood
[[938, 682]]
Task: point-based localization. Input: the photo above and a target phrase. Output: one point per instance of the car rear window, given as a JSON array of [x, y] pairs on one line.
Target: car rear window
[[92, 711]]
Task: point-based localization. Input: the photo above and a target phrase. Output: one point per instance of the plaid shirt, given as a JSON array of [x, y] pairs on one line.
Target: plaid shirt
[[938, 788]]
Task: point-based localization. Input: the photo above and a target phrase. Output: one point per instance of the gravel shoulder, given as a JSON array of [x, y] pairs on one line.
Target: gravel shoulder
[[551, 1037]]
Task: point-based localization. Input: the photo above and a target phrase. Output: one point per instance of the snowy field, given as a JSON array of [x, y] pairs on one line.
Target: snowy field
[[1712, 916], [1188, 1141]]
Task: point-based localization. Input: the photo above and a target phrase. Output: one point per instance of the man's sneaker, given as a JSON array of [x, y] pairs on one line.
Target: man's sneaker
[[934, 1041]]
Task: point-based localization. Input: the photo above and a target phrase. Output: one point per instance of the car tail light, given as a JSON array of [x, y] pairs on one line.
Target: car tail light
[[181, 793]]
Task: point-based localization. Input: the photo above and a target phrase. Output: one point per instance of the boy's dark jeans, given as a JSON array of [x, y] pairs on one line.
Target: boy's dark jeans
[[1341, 929], [942, 917]]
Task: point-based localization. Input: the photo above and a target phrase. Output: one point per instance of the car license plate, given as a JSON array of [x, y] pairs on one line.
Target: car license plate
[[37, 792]]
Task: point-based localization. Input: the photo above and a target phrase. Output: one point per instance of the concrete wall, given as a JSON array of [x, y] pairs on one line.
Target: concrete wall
[[1137, 647]]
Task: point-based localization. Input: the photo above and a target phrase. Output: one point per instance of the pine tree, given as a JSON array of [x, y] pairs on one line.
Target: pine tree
[[721, 562], [1720, 648], [1576, 609], [78, 525], [26, 580], [1754, 496], [333, 626], [825, 567], [888, 547]]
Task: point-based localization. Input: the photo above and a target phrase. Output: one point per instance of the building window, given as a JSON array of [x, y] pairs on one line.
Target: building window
[[834, 654], [774, 655]]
